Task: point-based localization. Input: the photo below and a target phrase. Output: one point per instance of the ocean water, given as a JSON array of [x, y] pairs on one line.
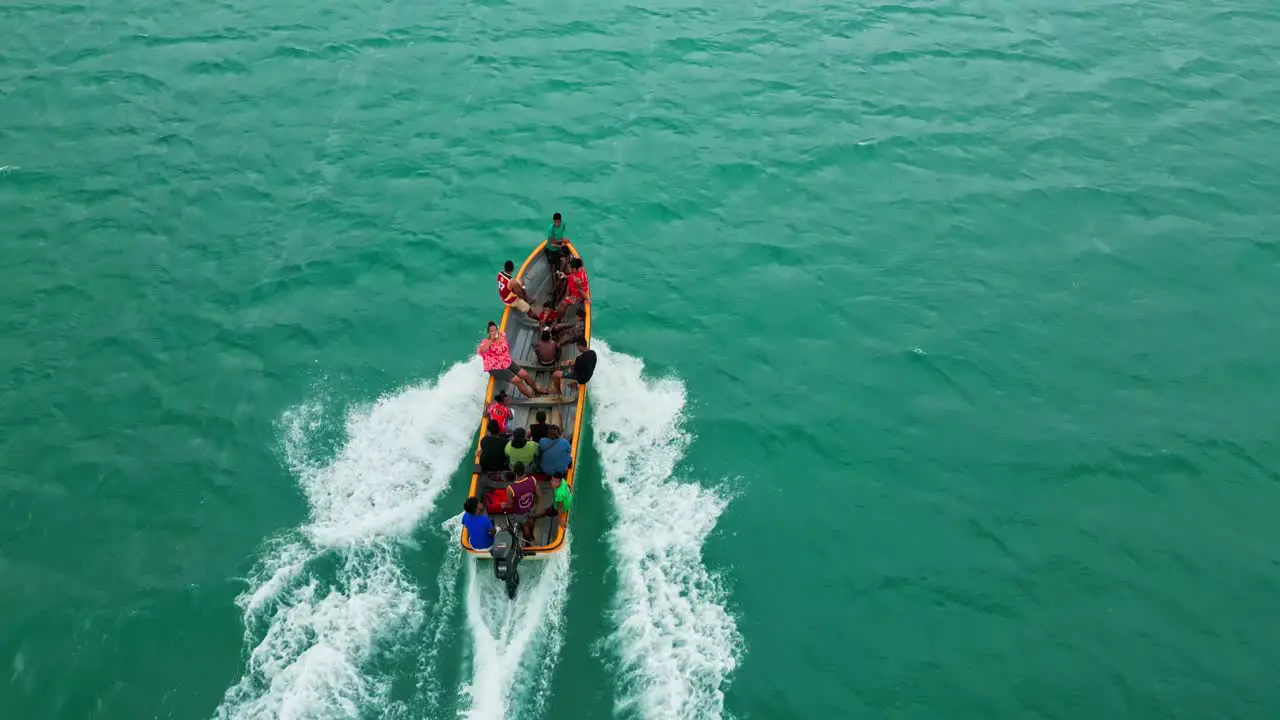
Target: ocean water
[[937, 346]]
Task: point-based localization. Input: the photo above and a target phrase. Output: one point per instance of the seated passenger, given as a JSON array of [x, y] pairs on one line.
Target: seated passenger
[[520, 451], [479, 526], [496, 354], [583, 367], [492, 457], [562, 276], [538, 430], [557, 456], [512, 291], [499, 412], [570, 332], [562, 501], [578, 289], [548, 314], [546, 350], [524, 498]]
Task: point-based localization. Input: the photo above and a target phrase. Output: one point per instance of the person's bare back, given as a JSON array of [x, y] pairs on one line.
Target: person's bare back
[[546, 349]]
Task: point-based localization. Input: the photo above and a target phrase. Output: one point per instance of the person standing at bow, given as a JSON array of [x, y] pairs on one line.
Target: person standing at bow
[[555, 242], [497, 362]]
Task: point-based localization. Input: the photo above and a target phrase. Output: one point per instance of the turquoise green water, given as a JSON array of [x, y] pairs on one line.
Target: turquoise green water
[[938, 363]]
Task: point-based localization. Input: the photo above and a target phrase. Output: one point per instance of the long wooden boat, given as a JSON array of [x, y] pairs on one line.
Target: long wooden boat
[[522, 332]]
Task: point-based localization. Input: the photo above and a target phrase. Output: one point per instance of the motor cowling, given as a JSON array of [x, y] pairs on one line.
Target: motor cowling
[[505, 553]]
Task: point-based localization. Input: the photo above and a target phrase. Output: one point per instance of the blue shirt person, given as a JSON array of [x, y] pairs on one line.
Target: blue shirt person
[[557, 456], [479, 526]]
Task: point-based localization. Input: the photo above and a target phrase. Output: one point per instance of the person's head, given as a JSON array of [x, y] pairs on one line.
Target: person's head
[[517, 438], [553, 432], [508, 267], [582, 313], [493, 427], [501, 397], [546, 335], [575, 263], [581, 344], [517, 470], [541, 415], [556, 480], [508, 476], [493, 330], [472, 505], [548, 305], [555, 219]]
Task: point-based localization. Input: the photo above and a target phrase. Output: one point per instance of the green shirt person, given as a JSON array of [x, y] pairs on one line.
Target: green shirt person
[[520, 450], [564, 496]]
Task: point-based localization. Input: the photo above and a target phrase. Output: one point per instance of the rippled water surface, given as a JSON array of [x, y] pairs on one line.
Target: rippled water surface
[[937, 348]]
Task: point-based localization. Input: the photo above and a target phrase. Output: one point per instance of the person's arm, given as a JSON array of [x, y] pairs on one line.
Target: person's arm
[[484, 345]]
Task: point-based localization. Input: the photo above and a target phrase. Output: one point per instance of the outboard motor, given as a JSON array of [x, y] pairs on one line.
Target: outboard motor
[[506, 552]]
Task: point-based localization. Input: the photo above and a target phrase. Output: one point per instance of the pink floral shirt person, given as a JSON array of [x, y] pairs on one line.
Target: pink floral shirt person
[[497, 356]]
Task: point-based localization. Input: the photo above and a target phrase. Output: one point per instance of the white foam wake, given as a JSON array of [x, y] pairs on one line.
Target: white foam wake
[[329, 597], [676, 642], [515, 643]]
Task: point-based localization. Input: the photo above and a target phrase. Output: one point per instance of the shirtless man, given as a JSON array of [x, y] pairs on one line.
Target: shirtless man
[[546, 350], [512, 291]]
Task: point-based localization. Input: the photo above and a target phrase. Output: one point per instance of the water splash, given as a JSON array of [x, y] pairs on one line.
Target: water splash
[[330, 596], [675, 640], [515, 643]]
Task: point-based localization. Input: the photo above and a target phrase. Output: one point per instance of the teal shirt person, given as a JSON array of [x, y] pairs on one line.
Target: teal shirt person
[[555, 231]]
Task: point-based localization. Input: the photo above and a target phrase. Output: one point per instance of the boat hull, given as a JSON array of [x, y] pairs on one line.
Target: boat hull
[[549, 532]]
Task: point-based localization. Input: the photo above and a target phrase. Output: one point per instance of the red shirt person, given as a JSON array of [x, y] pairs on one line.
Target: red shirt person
[[511, 291], [579, 290]]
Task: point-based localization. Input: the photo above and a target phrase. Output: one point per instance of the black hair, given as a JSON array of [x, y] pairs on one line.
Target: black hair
[[582, 312], [509, 476], [546, 335], [492, 324], [582, 342], [508, 266], [542, 416], [556, 216], [470, 505], [518, 468], [548, 304], [493, 427], [575, 263], [500, 395]]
